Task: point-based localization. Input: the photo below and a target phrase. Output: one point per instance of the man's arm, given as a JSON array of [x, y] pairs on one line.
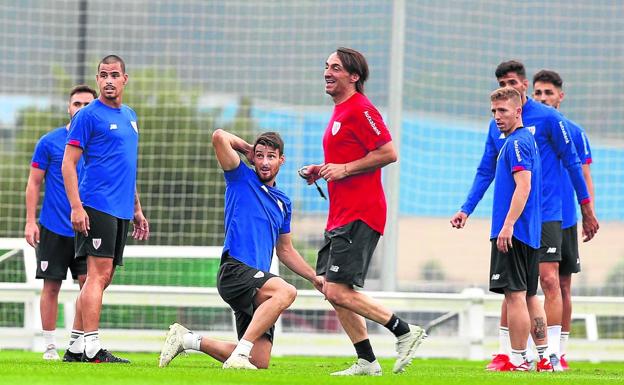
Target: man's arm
[[227, 146], [589, 182], [33, 187], [294, 261], [79, 217], [518, 201], [141, 226], [378, 158]]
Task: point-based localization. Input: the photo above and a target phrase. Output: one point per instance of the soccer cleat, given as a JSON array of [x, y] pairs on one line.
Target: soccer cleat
[[544, 365], [564, 363], [509, 367], [361, 368], [104, 356], [173, 344], [51, 353], [238, 361], [72, 357], [406, 346], [498, 363], [555, 362]]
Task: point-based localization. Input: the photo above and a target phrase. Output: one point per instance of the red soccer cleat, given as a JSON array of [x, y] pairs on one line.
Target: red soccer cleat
[[544, 365], [509, 367], [498, 363], [564, 363]]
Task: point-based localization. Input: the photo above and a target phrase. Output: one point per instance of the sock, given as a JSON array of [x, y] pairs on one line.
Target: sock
[[92, 343], [541, 349], [397, 326], [518, 357], [76, 341], [243, 348], [191, 341], [504, 344], [554, 339], [49, 337], [563, 342], [530, 351], [364, 350]]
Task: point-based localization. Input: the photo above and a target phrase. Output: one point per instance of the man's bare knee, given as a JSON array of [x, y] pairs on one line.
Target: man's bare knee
[[338, 294], [549, 282]]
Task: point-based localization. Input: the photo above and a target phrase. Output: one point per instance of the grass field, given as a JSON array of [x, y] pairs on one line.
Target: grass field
[[19, 367]]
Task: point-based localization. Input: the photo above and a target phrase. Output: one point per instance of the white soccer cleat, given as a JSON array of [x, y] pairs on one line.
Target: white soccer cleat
[[361, 368], [238, 361], [406, 346], [555, 362], [51, 353], [173, 344]]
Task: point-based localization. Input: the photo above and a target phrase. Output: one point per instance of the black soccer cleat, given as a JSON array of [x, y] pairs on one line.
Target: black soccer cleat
[[104, 356], [72, 357]]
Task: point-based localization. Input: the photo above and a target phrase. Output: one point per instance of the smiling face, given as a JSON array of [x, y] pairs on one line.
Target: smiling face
[[339, 83], [111, 81], [267, 161]]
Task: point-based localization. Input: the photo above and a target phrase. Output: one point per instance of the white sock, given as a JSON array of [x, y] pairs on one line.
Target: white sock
[[504, 344], [530, 352], [541, 349], [554, 340], [243, 348], [518, 357], [49, 337], [92, 343], [191, 341], [76, 341], [563, 342]]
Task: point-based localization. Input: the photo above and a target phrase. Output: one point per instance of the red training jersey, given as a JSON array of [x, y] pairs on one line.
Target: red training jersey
[[355, 129]]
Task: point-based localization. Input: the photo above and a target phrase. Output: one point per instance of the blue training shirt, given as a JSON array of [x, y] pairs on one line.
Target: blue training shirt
[[549, 128], [518, 153], [109, 138], [255, 216], [48, 156], [583, 149]]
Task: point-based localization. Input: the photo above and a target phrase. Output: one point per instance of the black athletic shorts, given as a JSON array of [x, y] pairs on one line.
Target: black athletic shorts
[[55, 254], [550, 246], [516, 270], [106, 239], [346, 253], [570, 259], [238, 284]]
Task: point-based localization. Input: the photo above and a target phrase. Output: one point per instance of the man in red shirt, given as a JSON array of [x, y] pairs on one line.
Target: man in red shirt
[[357, 145]]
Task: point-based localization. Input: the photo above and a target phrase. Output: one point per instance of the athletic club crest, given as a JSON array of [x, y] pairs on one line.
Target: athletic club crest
[[335, 128], [44, 265], [134, 125], [97, 242], [531, 129]]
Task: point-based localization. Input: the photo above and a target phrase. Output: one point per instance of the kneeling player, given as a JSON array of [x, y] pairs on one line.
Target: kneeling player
[[257, 220]]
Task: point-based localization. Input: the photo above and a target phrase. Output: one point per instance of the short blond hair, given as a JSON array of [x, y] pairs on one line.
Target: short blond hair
[[506, 93]]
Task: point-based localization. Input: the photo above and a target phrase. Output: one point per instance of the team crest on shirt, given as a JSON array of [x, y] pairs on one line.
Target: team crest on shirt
[[97, 242], [531, 129], [335, 128], [134, 125], [44, 265]]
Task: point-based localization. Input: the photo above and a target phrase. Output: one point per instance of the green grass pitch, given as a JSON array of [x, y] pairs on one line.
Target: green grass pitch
[[19, 367]]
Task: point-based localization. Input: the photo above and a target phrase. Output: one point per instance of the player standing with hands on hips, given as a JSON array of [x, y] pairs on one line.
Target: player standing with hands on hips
[[106, 133], [356, 145]]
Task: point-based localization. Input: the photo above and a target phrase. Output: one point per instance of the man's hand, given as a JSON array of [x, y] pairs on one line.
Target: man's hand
[[503, 243], [590, 222], [141, 226], [31, 233], [80, 221], [319, 283], [333, 171], [311, 172], [458, 220]]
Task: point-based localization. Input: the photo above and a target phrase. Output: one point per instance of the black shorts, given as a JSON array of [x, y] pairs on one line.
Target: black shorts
[[106, 239], [516, 270], [550, 246], [570, 259], [347, 252], [238, 284], [55, 254]]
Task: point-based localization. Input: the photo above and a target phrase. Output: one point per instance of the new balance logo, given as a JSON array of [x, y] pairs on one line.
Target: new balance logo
[[334, 268], [495, 277], [259, 274], [113, 126], [551, 250]]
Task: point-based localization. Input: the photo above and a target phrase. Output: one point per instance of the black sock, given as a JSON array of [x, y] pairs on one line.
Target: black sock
[[397, 326], [364, 350]]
